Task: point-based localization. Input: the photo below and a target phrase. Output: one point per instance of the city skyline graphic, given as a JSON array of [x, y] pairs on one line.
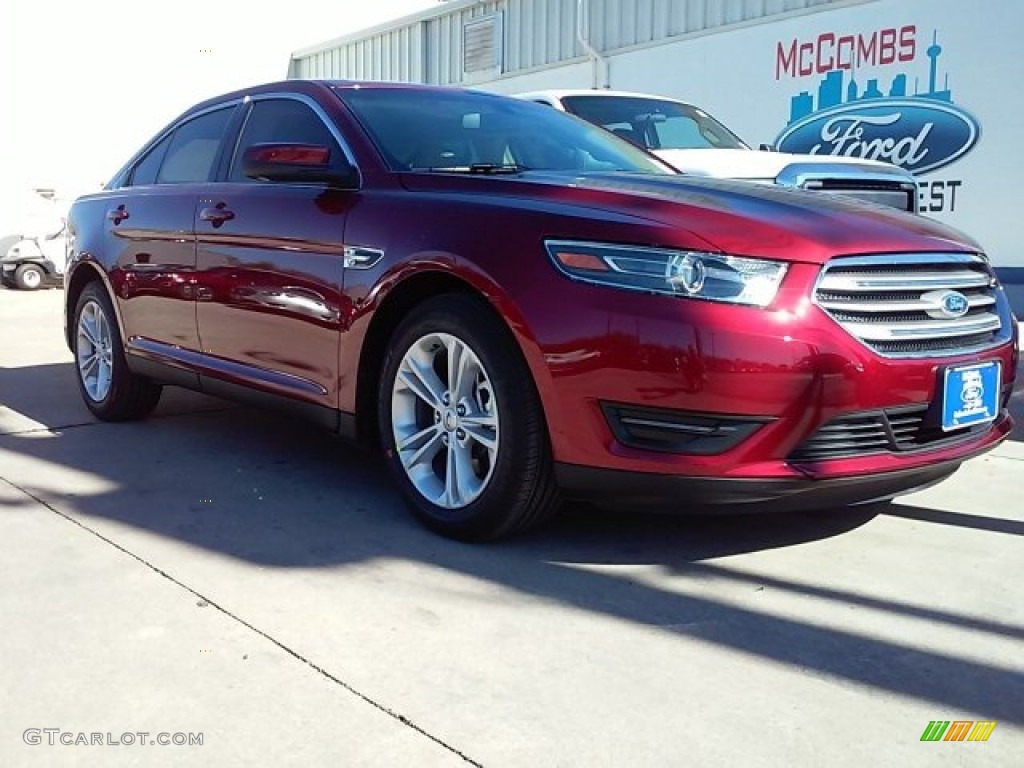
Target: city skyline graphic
[[832, 88]]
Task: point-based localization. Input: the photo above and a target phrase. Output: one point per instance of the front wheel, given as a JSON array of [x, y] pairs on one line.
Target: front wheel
[[29, 277], [462, 425], [110, 390]]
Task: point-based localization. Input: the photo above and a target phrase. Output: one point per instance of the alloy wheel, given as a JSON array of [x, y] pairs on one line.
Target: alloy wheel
[[445, 420], [93, 351]]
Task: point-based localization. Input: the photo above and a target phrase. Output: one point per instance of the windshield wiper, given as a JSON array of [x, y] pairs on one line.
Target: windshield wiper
[[497, 168], [483, 168]]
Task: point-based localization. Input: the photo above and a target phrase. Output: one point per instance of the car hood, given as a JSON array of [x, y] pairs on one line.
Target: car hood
[[759, 165], [730, 216]]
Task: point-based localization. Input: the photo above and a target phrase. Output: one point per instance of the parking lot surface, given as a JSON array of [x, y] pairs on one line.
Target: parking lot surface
[[226, 573]]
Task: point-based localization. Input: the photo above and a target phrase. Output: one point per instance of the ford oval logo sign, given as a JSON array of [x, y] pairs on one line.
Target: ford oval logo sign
[[920, 135], [945, 304], [954, 304]]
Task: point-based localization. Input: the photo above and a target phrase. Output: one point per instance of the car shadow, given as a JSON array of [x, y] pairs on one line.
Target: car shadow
[[264, 489]]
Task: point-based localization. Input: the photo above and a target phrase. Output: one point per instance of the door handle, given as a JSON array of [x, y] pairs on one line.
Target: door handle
[[216, 215], [117, 215]]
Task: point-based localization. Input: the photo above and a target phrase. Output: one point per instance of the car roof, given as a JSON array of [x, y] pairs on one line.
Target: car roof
[[560, 93], [308, 85]]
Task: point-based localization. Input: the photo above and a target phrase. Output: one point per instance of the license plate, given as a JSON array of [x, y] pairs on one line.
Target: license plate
[[970, 395]]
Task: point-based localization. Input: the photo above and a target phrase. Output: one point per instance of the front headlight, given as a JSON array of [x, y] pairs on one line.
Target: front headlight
[[687, 274]]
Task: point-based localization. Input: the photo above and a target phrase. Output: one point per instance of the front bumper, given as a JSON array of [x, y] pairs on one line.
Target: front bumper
[[677, 494], [765, 382]]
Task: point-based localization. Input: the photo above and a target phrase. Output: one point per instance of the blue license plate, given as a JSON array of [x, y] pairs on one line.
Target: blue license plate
[[970, 395]]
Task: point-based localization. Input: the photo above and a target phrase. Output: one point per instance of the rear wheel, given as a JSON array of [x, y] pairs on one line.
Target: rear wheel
[[110, 390], [29, 277], [462, 425]]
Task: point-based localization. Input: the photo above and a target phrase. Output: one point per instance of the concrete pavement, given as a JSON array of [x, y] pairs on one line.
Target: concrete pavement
[[224, 571]]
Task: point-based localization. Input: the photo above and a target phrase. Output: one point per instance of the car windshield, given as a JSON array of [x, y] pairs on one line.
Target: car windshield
[[654, 123], [458, 131]]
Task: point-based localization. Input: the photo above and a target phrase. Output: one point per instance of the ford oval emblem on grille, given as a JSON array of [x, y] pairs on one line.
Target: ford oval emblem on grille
[[951, 304]]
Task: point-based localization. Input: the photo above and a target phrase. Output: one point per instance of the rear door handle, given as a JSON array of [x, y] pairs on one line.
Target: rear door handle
[[117, 215], [217, 215]]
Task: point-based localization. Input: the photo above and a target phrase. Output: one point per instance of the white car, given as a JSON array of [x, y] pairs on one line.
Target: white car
[[33, 255], [693, 142]]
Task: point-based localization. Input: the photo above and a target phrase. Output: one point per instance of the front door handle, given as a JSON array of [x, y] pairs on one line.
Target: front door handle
[[217, 215], [117, 215]]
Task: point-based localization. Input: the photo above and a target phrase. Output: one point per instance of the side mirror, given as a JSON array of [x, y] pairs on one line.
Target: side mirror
[[767, 147], [310, 163]]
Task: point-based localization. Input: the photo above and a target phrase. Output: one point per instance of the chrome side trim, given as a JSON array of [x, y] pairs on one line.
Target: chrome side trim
[[357, 257]]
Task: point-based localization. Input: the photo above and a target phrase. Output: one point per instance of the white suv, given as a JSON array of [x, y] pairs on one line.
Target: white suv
[[692, 141]]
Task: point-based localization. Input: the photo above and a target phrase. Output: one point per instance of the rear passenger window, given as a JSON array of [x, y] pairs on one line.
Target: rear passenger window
[[145, 172], [282, 121], [193, 149]]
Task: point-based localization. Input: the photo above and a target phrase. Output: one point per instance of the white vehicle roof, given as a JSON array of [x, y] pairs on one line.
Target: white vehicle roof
[[560, 93]]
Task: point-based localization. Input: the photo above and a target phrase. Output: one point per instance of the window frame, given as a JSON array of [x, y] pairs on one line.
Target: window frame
[[165, 141], [124, 178], [215, 162], [243, 118]]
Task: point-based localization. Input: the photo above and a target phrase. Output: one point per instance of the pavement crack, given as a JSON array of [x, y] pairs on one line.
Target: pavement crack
[[287, 649]]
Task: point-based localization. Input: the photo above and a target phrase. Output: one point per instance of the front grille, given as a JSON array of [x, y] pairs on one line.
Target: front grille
[[895, 304], [889, 431], [894, 194]]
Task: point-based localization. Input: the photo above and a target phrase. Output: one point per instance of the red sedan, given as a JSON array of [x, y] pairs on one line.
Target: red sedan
[[517, 307]]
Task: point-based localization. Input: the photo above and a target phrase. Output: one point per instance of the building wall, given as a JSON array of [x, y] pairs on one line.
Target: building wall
[[927, 84], [428, 47]]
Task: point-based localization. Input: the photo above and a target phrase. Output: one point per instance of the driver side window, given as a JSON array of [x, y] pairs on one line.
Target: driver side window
[[281, 121]]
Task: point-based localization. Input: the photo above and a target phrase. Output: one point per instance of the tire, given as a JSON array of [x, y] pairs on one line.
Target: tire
[[492, 427], [29, 277], [110, 390]]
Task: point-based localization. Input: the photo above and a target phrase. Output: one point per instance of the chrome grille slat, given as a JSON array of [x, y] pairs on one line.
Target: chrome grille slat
[[866, 281], [900, 306], [894, 303], [849, 427], [929, 329], [883, 188]]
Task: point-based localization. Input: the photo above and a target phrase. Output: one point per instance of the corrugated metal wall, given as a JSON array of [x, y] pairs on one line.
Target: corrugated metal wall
[[536, 32], [621, 23]]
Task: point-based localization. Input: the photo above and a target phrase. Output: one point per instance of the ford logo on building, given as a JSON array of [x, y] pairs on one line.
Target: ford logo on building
[[918, 134]]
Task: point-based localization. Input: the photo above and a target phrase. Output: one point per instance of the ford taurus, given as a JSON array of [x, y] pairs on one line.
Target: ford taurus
[[518, 307]]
